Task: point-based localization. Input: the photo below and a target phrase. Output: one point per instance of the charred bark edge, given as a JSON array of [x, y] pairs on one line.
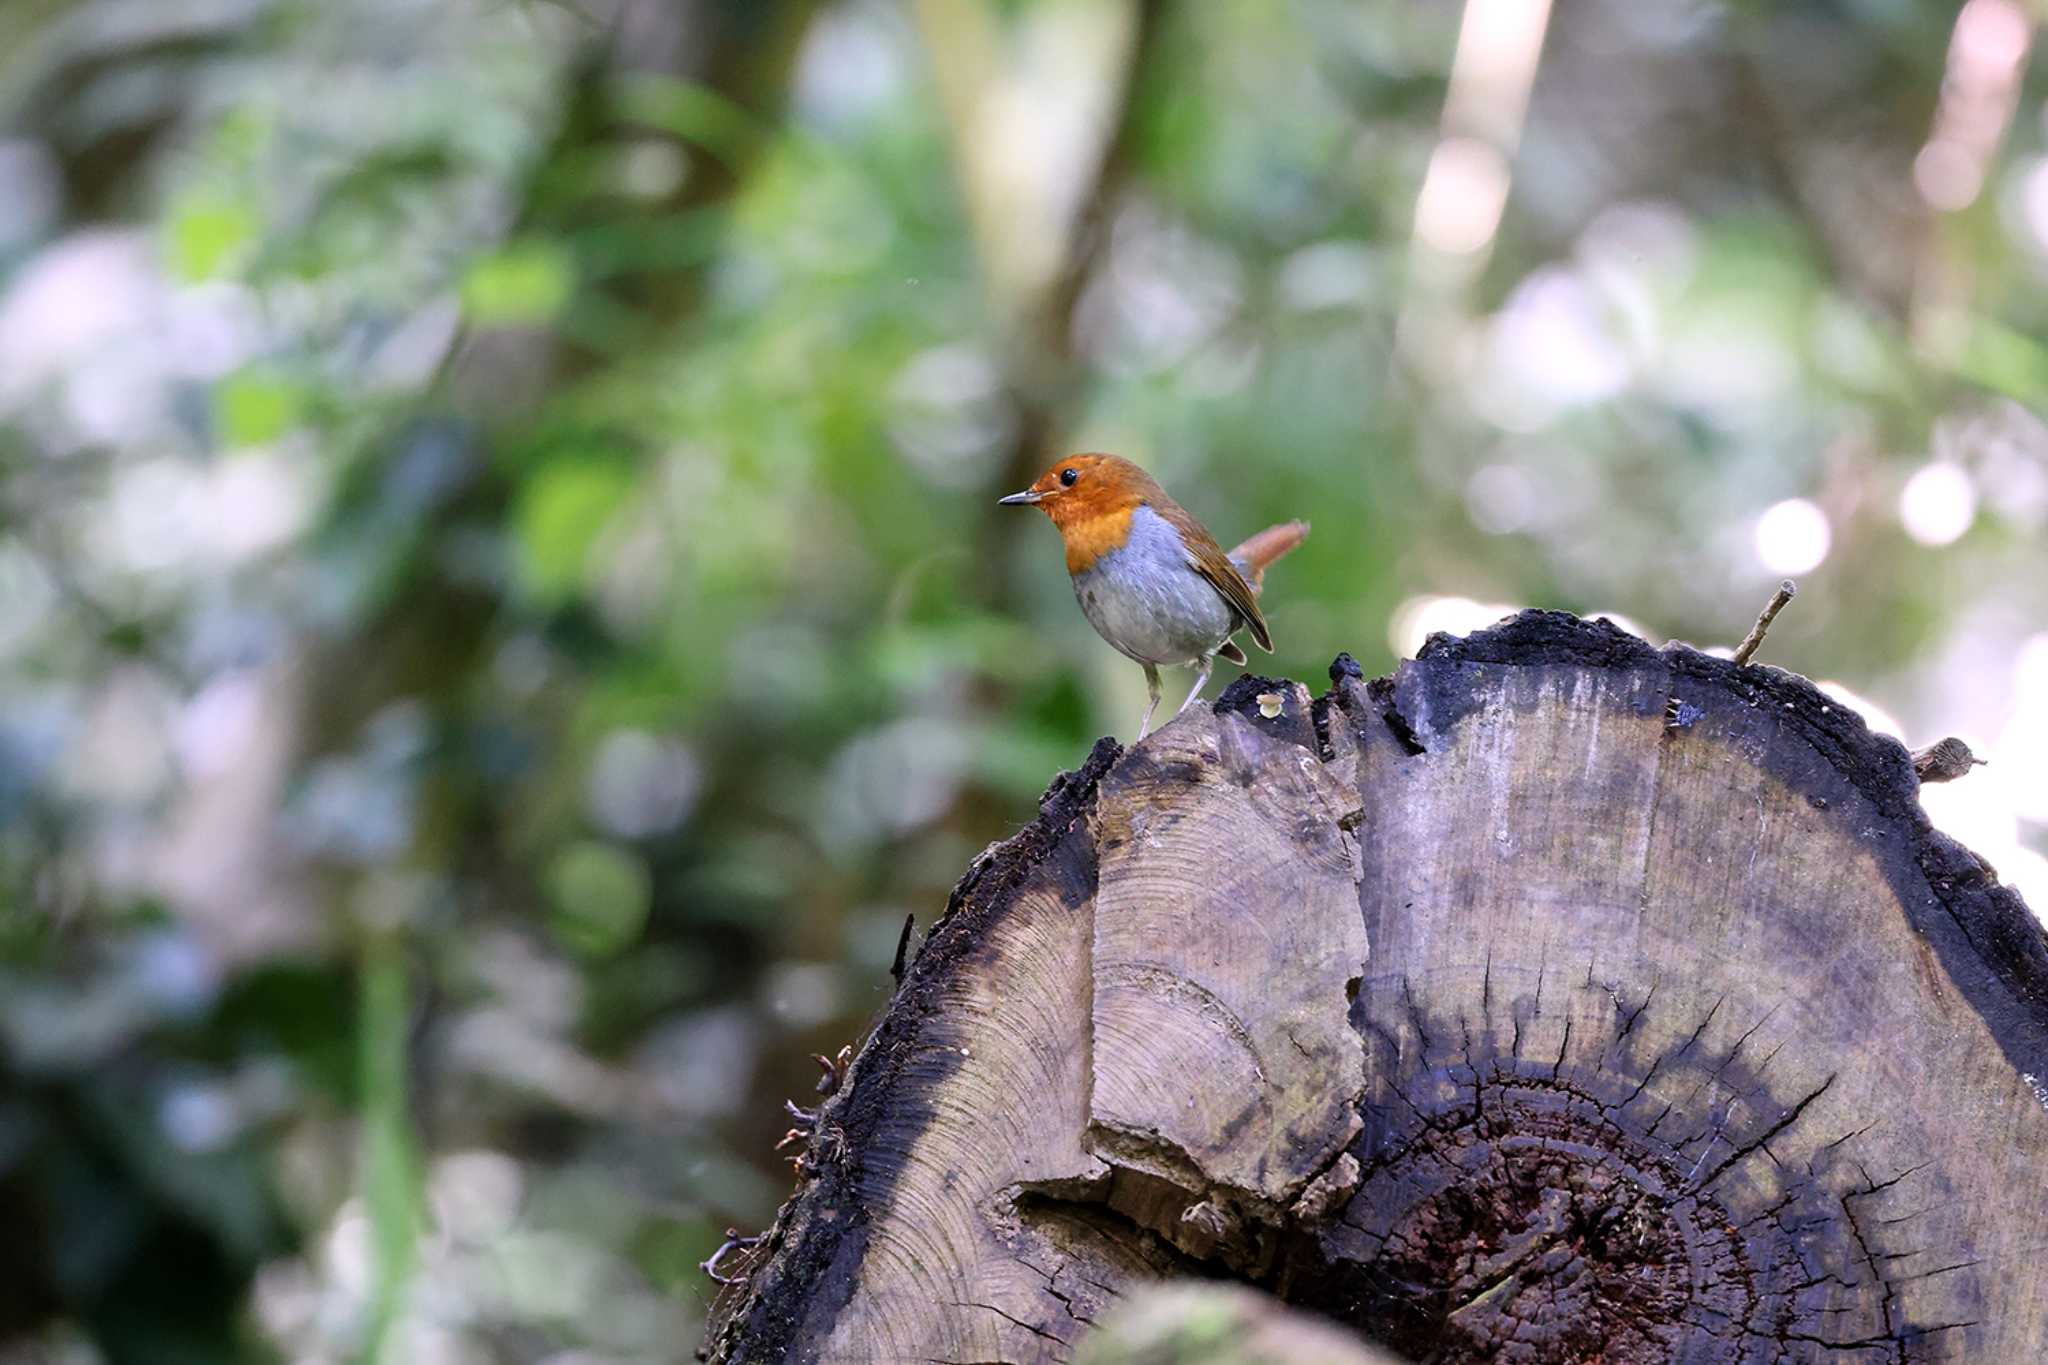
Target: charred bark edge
[[1988, 942], [813, 1255]]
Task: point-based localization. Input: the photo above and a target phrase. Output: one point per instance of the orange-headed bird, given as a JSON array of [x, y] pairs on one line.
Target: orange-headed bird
[[1151, 580]]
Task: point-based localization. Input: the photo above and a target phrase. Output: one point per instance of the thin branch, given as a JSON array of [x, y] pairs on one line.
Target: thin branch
[[1787, 590], [902, 946], [1945, 760]]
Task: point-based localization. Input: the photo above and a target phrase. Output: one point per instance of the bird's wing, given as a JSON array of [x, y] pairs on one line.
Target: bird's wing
[[1206, 557]]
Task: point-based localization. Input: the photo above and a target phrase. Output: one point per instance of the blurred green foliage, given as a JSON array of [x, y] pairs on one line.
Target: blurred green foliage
[[503, 611]]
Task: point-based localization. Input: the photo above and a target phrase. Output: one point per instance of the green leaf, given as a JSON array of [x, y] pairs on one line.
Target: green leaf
[[2004, 360], [388, 1155], [207, 234], [251, 408], [562, 509], [694, 113], [600, 894], [521, 284]]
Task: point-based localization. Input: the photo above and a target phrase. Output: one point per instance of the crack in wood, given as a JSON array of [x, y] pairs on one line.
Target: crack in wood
[[1790, 1117], [1563, 1047], [1006, 1317], [1415, 1018]]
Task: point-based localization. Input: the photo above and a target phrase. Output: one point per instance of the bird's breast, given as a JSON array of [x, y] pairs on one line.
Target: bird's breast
[[1147, 600], [1091, 536]]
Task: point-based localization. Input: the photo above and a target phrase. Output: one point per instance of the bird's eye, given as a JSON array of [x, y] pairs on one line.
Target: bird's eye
[[1067, 477]]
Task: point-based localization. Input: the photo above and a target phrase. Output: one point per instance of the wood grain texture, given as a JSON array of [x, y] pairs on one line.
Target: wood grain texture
[[1557, 999], [1219, 1039]]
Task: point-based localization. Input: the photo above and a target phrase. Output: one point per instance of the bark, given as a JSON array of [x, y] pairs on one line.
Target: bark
[[1557, 999]]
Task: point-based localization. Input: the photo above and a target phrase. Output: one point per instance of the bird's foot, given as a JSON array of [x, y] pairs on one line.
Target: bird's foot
[[1201, 681]]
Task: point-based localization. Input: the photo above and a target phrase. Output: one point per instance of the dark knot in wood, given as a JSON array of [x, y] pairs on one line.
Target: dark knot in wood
[[1534, 1228]]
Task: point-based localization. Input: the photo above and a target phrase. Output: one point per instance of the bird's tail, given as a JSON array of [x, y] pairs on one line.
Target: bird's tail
[[1252, 557]]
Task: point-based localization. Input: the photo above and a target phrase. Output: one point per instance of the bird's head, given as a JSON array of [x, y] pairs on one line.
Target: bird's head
[[1084, 489]]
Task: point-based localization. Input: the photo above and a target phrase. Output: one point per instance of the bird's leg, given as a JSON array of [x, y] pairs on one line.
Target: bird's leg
[[1201, 681], [1152, 691]]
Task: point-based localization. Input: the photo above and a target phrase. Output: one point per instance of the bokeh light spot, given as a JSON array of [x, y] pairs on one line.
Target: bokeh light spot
[[1793, 537], [1938, 504], [1418, 618]]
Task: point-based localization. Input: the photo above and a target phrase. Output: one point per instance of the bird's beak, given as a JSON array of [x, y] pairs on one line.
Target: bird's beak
[[1024, 499]]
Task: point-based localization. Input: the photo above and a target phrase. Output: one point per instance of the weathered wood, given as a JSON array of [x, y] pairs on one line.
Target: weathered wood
[[1558, 999], [1218, 1061]]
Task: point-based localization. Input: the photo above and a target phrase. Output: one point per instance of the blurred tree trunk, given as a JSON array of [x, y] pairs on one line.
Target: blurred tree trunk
[[706, 79], [731, 65], [1559, 999], [740, 59], [1035, 293]]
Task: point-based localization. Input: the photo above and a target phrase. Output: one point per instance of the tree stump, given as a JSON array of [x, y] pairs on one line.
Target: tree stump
[[1558, 999]]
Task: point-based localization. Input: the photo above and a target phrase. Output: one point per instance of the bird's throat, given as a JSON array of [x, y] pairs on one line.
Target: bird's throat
[[1092, 534]]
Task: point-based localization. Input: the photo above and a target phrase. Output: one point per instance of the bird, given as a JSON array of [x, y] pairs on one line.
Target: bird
[[1149, 577]]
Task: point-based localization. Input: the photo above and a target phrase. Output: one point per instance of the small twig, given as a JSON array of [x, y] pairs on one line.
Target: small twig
[[1787, 590], [1945, 760], [733, 1242], [902, 946], [834, 1069]]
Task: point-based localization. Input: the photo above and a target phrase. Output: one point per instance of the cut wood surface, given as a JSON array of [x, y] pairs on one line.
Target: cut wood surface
[[1558, 999]]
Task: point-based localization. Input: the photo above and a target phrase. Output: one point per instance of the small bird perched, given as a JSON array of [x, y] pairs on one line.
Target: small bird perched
[[1150, 579]]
